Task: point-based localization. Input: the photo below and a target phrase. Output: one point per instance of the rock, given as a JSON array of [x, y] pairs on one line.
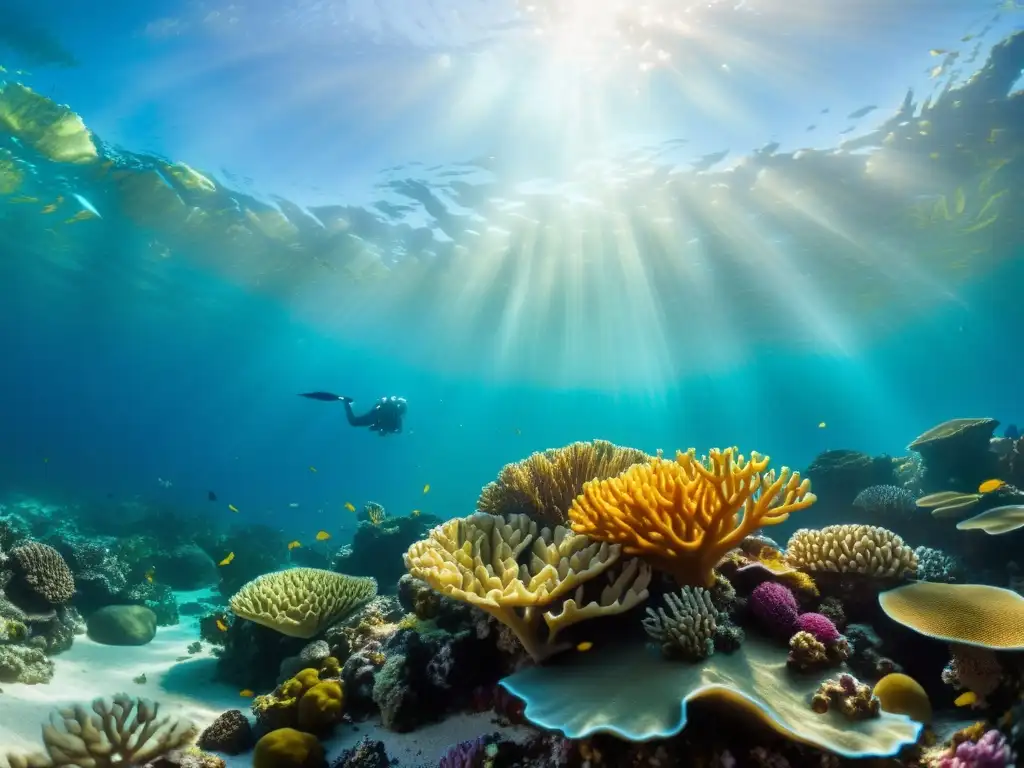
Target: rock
[[231, 733], [122, 625]]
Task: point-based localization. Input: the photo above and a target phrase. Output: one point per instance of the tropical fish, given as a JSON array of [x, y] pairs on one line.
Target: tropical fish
[[350, 506], [294, 544], [585, 646], [822, 425], [227, 560], [221, 625], [414, 513], [232, 507], [990, 485], [312, 469], [245, 693], [938, 51], [322, 535], [83, 215], [49, 208], [966, 699], [426, 488], [150, 574]]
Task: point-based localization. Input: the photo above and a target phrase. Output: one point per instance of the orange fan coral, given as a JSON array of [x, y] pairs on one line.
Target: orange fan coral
[[684, 515]]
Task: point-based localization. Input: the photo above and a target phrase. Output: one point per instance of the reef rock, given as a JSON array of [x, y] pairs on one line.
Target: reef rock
[[122, 625]]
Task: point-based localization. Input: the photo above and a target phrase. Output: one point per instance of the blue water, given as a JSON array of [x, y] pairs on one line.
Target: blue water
[[121, 369]]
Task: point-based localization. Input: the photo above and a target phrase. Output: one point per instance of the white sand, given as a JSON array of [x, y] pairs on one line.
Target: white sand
[[89, 670]]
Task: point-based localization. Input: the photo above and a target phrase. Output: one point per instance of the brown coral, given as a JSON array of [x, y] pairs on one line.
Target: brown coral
[[230, 733], [544, 485], [41, 571], [849, 696], [684, 515], [806, 652]]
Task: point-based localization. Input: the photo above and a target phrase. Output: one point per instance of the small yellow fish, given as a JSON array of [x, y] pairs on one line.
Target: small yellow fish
[[227, 560], [822, 425], [322, 535], [414, 513], [990, 485], [23, 199], [82, 215], [245, 693], [350, 506], [49, 209], [426, 488], [232, 507], [294, 544], [223, 627], [585, 646], [312, 469], [966, 699], [938, 51], [150, 574]]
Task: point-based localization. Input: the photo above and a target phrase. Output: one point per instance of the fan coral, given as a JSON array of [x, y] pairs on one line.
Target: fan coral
[[501, 566], [849, 696], [302, 602], [821, 627], [864, 549], [775, 606], [544, 485], [687, 629], [685, 515], [885, 500], [40, 571], [122, 732]]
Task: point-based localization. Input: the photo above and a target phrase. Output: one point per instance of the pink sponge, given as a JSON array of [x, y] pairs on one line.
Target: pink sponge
[[775, 606], [820, 626]]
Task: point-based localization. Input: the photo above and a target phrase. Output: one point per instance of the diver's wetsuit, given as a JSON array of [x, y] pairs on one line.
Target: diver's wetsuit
[[385, 418]]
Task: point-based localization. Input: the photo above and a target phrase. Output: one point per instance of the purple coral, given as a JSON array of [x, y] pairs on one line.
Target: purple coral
[[775, 606], [467, 754], [990, 751], [820, 626]]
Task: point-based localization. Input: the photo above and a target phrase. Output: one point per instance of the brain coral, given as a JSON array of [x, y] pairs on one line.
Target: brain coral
[[820, 626], [42, 572], [865, 549]]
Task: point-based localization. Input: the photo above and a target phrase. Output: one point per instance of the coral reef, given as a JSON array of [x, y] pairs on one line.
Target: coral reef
[[376, 550], [886, 501], [847, 695], [839, 475], [544, 485], [863, 549], [683, 516], [40, 579], [22, 664], [687, 630], [956, 455]]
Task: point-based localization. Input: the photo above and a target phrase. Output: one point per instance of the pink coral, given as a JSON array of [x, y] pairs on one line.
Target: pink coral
[[775, 606], [990, 751], [820, 626]]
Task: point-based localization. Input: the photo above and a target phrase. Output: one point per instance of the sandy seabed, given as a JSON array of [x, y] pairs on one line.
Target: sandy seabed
[[186, 688]]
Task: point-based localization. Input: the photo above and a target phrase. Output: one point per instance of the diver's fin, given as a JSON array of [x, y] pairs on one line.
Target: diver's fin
[[326, 396]]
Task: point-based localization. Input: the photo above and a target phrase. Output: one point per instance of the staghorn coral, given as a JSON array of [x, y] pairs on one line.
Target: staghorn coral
[[687, 630], [544, 485], [124, 731], [302, 602], [847, 695], [685, 515], [865, 549], [504, 566], [40, 572]]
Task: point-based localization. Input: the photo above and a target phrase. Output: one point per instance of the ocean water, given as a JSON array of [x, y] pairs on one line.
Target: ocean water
[[660, 224]]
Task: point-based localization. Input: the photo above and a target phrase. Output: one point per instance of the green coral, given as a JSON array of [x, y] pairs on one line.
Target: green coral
[[302, 701], [320, 707], [13, 631]]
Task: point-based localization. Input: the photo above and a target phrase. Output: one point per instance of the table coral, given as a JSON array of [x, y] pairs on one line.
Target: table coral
[[684, 515]]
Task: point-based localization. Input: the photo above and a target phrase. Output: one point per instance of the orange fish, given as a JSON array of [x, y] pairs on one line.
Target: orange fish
[[246, 693], [585, 646], [322, 535], [150, 574], [990, 485], [350, 506], [221, 625]]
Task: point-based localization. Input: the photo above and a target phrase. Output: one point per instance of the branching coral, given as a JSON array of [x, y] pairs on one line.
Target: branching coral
[[122, 732], [517, 573], [544, 485], [685, 515], [687, 629], [864, 549]]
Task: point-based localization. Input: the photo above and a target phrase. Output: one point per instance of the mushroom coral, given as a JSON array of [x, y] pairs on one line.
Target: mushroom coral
[[684, 515]]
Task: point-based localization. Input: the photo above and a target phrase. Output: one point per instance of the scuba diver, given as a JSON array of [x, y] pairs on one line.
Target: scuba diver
[[385, 418]]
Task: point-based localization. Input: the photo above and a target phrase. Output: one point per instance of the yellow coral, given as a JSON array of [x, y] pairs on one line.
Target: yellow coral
[[685, 515], [866, 549], [968, 614], [903, 695], [504, 566], [288, 748], [320, 706], [775, 562], [307, 678], [543, 485]]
